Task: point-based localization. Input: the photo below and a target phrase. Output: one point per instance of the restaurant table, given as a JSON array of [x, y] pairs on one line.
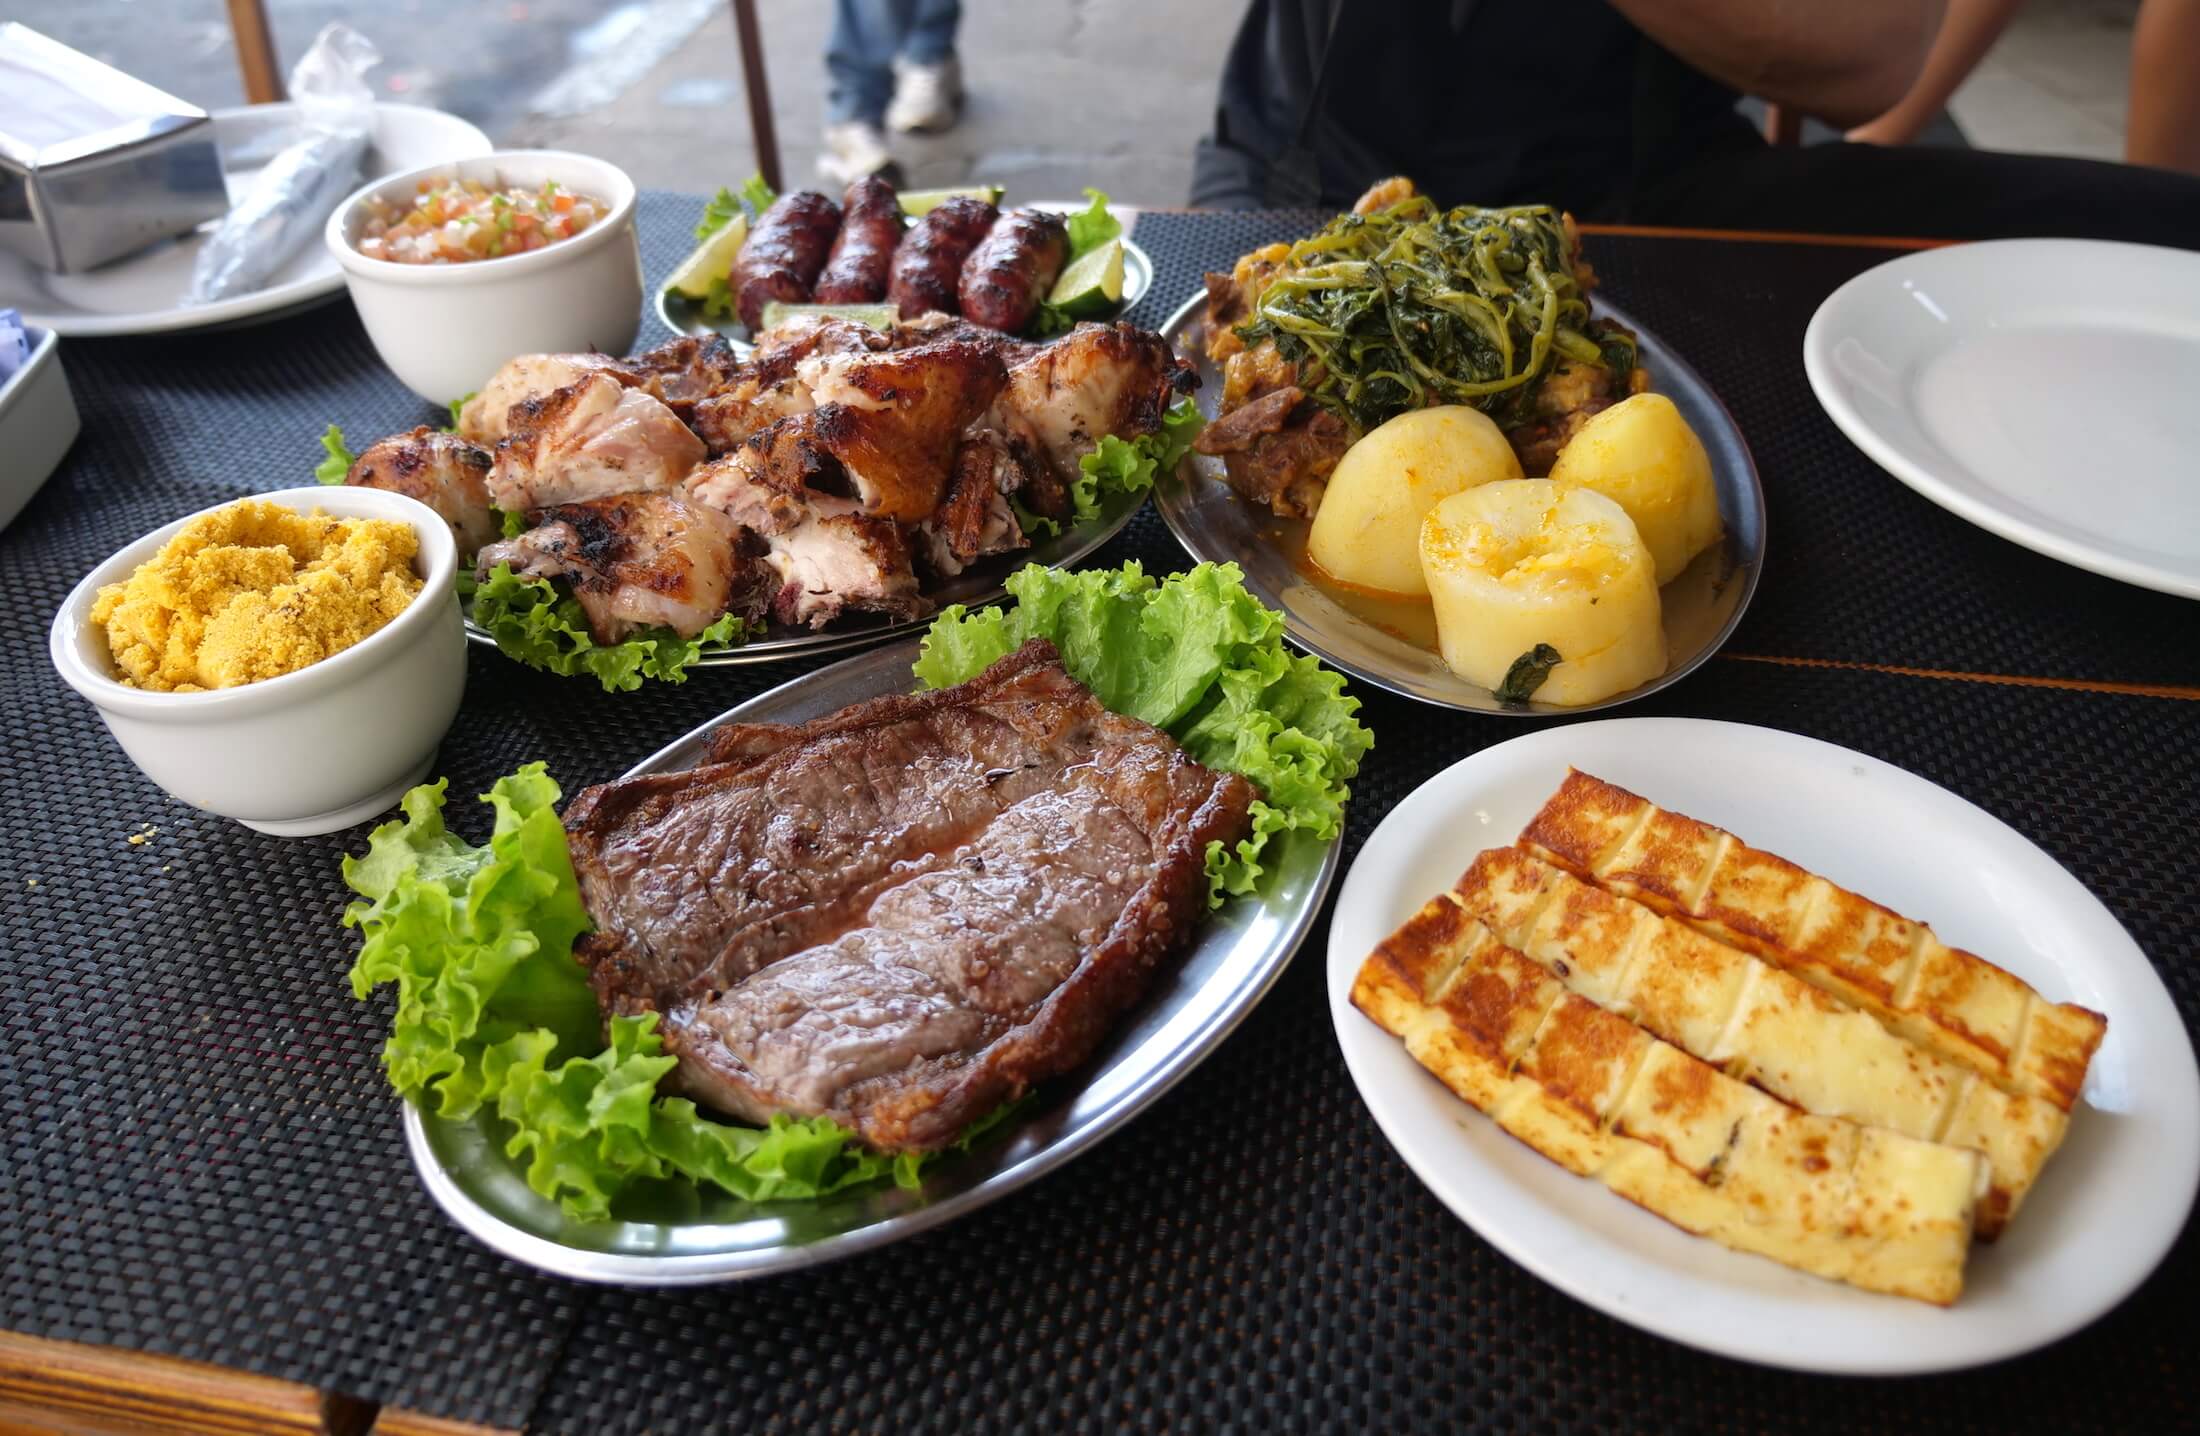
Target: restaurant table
[[211, 1222]]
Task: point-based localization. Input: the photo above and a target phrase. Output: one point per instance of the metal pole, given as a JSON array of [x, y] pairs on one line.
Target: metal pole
[[761, 132]]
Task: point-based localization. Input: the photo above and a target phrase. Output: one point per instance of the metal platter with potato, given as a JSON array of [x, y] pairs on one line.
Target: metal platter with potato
[[1454, 479]]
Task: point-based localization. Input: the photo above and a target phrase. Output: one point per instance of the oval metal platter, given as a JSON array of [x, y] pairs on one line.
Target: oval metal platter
[[1702, 605], [683, 315], [974, 587], [1193, 1005]]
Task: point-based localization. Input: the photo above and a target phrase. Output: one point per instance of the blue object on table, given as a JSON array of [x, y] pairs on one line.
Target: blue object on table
[[15, 345]]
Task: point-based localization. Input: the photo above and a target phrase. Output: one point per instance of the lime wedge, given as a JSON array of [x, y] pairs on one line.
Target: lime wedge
[[878, 316], [918, 201], [1093, 283], [712, 259]]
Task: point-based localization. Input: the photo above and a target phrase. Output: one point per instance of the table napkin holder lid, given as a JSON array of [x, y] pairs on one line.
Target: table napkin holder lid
[[95, 165]]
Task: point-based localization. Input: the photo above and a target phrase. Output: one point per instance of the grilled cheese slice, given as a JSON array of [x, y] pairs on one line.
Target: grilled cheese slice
[[1714, 1156], [1955, 1004], [1757, 1023]]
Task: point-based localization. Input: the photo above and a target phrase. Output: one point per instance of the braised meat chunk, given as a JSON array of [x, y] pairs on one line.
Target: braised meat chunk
[[905, 914]]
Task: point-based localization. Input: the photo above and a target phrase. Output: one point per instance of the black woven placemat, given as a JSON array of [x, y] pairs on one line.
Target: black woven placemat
[[201, 1157]]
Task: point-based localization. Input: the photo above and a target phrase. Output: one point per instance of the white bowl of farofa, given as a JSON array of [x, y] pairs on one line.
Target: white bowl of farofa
[[309, 751]]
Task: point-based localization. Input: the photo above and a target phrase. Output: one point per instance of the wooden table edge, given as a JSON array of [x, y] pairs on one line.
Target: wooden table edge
[[70, 1388]]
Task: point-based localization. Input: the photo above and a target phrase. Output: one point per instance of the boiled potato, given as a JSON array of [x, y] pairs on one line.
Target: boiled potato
[[1523, 562], [1641, 454], [1368, 530]]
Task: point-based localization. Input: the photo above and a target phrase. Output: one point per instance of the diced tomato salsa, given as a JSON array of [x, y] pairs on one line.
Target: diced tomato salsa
[[453, 221]]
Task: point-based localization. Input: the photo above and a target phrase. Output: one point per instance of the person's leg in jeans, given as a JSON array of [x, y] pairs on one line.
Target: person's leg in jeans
[[867, 35], [927, 76]]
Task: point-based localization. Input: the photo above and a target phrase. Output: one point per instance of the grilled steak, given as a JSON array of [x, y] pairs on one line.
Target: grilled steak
[[906, 913]]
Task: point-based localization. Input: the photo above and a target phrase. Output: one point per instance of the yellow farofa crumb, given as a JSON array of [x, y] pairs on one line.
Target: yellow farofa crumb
[[255, 591]]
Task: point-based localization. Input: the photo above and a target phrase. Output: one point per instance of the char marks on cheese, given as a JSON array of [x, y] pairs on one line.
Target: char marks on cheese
[[903, 915], [1954, 1003], [1758, 1023], [1605, 1099]]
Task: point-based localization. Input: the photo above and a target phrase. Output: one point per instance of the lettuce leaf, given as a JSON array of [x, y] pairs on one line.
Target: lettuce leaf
[[1092, 226], [1122, 466], [1199, 656], [542, 627], [718, 304], [458, 406], [754, 198], [333, 468], [492, 1011], [478, 940]]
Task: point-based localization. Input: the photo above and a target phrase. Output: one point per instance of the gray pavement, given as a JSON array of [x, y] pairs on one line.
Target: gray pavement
[[1064, 93]]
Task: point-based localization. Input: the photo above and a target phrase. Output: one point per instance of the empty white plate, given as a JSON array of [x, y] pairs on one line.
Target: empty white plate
[[144, 293], [2043, 389], [2104, 1212]]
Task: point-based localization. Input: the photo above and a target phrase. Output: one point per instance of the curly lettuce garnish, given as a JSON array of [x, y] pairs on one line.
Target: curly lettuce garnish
[[1122, 466], [1194, 654], [337, 464], [534, 621], [493, 1012]]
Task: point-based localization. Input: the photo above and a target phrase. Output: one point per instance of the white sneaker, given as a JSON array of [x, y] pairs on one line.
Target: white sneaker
[[926, 97], [853, 149]]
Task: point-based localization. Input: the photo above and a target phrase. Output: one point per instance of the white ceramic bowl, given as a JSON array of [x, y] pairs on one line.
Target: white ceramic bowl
[[445, 328], [311, 751]]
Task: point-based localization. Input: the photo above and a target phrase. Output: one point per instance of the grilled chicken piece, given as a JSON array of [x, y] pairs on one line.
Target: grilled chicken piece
[[826, 553], [892, 420], [483, 418], [976, 519], [687, 370], [441, 470], [772, 482], [640, 561], [1098, 379], [835, 561], [587, 441], [776, 382]]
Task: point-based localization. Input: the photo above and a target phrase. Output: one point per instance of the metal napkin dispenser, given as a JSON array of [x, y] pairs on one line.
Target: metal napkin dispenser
[[93, 164]]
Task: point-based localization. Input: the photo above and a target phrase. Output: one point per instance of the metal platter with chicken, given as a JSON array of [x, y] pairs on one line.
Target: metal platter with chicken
[[838, 484], [1454, 475]]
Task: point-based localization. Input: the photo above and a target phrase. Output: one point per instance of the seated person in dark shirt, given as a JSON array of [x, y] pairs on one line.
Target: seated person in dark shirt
[[1625, 111]]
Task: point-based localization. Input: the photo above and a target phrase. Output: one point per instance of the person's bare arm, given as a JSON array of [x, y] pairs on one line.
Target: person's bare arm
[[2164, 128], [1966, 35], [1841, 60]]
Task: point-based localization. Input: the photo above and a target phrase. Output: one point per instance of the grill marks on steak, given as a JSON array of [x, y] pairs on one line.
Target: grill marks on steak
[[905, 914]]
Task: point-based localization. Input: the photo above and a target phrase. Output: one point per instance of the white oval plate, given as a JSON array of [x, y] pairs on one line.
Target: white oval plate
[[143, 294], [1702, 605], [2103, 1215], [2039, 388], [1192, 1004]]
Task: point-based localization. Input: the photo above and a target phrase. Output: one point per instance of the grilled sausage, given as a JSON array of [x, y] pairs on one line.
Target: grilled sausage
[[929, 263], [783, 253], [1010, 272], [864, 251]]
